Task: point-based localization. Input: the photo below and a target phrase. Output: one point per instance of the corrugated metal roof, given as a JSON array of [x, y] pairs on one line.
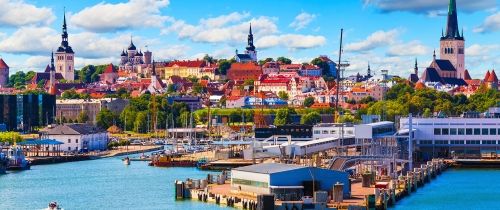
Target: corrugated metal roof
[[269, 168]]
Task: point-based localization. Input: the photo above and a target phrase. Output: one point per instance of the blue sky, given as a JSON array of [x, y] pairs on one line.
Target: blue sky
[[389, 34]]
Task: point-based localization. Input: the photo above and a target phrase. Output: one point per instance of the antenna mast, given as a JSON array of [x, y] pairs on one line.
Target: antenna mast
[[337, 82]]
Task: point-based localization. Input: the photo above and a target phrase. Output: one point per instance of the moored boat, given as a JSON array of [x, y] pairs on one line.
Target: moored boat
[[3, 162], [53, 206], [16, 159], [171, 161]]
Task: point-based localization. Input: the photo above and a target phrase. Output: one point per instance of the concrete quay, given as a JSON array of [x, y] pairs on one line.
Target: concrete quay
[[368, 194]]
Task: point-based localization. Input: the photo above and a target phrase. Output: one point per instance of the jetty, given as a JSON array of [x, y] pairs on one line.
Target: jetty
[[366, 192]]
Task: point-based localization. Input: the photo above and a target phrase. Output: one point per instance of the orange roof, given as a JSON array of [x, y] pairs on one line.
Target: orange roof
[[109, 69], [321, 105], [97, 95], [419, 85], [245, 66]]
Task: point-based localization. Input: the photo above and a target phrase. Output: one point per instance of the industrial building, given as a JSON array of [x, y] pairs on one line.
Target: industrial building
[[455, 137], [26, 112], [286, 182]]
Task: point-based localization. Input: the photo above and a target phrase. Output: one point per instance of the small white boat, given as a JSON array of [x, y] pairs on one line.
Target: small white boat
[[54, 206], [126, 161]]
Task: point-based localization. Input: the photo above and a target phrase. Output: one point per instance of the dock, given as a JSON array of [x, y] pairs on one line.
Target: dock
[[367, 192]]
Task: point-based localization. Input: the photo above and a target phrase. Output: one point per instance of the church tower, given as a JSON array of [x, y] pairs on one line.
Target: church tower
[[52, 80], [453, 43], [65, 62], [250, 49]]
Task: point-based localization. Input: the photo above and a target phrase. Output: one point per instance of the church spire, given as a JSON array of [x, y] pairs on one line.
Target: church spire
[[52, 67], [250, 46], [64, 48], [452, 30], [416, 67], [369, 71]]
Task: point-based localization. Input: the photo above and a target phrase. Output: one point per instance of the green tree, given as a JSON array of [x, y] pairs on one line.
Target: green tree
[[283, 116], [323, 65], [310, 118], [309, 101], [208, 58], [140, 123], [83, 117], [105, 118], [284, 60], [171, 88], [283, 95], [10, 137], [262, 62], [224, 65], [41, 83]]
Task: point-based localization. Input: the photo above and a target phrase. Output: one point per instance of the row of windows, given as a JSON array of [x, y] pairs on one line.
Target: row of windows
[[61, 57], [484, 142], [451, 50], [466, 131], [69, 141], [250, 183], [332, 132]]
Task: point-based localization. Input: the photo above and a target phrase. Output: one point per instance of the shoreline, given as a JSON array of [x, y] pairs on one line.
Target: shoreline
[[75, 158]]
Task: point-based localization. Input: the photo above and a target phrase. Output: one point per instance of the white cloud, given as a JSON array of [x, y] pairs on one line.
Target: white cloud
[[377, 39], [412, 48], [481, 50], [174, 52], [30, 40], [302, 20], [235, 33], [16, 13], [291, 41], [37, 62], [106, 17], [224, 19], [430, 7], [42, 40], [490, 24]]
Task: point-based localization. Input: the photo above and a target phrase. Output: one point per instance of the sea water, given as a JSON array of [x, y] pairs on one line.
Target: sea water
[[457, 189], [97, 184]]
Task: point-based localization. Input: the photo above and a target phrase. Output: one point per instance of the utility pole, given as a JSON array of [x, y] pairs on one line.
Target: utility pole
[[410, 142]]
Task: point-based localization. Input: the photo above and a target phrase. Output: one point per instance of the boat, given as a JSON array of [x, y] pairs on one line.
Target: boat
[[53, 206], [171, 161], [16, 158], [3, 162], [126, 161]]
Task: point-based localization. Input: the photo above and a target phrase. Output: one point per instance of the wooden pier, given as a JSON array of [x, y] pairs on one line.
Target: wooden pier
[[370, 193]]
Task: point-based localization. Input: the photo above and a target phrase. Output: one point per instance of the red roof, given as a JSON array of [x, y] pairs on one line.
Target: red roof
[[244, 66], [3, 65], [196, 63], [467, 75], [493, 77], [109, 69], [487, 76]]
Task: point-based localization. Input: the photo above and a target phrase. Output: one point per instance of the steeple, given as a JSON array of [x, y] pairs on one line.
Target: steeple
[[416, 67], [153, 72], [250, 46], [64, 42], [369, 71], [131, 46], [52, 67], [434, 54], [52, 79], [452, 31]]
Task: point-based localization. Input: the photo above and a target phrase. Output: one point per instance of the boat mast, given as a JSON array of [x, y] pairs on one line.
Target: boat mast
[[337, 83]]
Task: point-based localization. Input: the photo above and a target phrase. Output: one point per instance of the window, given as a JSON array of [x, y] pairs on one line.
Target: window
[[69, 148], [69, 141], [76, 141], [489, 142], [325, 132], [477, 131], [441, 142], [317, 132], [332, 132], [445, 131], [250, 183], [473, 142], [437, 131], [484, 131], [461, 131], [468, 131], [493, 131], [453, 131]]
